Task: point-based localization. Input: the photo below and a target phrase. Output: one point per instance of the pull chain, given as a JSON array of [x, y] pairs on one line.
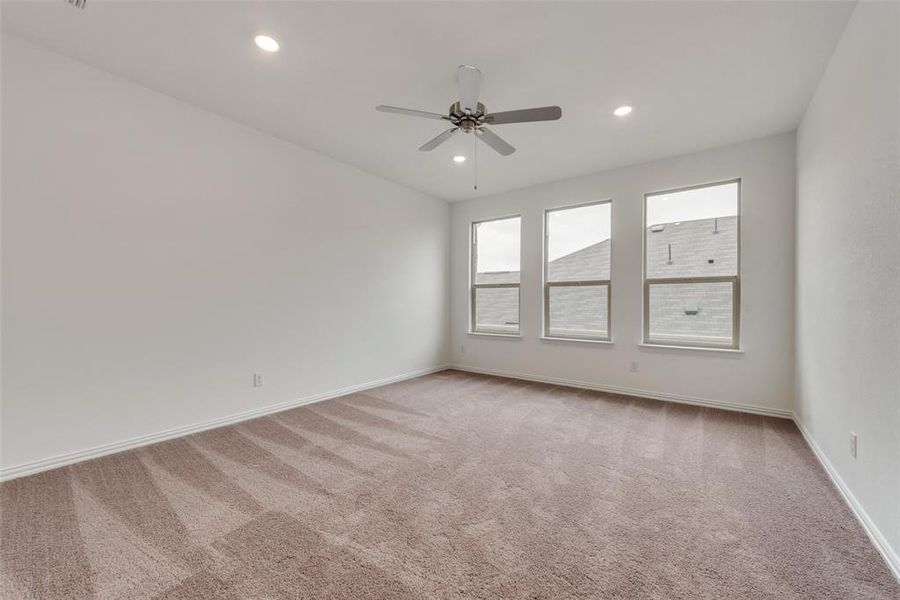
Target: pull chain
[[475, 159]]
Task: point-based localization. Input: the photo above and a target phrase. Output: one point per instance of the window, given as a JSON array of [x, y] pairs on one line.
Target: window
[[576, 271], [495, 276], [692, 266]]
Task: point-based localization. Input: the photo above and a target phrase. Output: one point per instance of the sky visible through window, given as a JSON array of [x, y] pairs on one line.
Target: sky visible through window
[[498, 245], [573, 229], [578, 228], [691, 205]]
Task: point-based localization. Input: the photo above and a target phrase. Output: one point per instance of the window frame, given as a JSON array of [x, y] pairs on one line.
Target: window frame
[[735, 279], [473, 271], [547, 284]]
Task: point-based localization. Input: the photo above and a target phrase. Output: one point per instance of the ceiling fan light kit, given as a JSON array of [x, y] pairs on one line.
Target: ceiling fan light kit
[[468, 115]]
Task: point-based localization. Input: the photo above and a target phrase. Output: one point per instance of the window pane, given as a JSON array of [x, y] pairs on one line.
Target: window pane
[[700, 313], [693, 233], [578, 311], [497, 251], [578, 243], [497, 310]]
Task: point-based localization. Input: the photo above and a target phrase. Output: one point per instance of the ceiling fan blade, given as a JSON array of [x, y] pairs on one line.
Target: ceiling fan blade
[[435, 142], [469, 79], [411, 112], [495, 141], [526, 115]]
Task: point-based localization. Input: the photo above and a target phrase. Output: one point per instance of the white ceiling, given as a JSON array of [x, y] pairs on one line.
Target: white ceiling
[[699, 74]]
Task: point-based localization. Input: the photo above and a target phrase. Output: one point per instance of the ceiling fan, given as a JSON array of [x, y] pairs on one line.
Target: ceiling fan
[[468, 115]]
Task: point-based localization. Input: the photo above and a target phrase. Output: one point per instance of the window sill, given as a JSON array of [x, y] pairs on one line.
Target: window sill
[[692, 348], [547, 338], [499, 335]]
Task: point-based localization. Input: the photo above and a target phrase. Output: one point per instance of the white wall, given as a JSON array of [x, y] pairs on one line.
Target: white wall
[[848, 265], [155, 256], [762, 377]]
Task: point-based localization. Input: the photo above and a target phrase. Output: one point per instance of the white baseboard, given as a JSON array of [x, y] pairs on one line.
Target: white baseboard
[[872, 531], [878, 540], [747, 408], [62, 460]]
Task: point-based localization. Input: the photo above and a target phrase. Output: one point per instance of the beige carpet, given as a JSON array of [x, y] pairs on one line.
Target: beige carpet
[[448, 486]]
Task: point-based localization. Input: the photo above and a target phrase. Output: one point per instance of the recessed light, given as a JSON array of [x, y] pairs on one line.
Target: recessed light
[[459, 159], [622, 111], [267, 43]]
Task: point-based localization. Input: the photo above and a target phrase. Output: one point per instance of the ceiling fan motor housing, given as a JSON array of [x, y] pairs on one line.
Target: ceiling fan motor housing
[[467, 122]]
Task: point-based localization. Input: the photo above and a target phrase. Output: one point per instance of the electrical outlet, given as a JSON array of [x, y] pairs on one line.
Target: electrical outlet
[[257, 380], [853, 443], [634, 367]]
